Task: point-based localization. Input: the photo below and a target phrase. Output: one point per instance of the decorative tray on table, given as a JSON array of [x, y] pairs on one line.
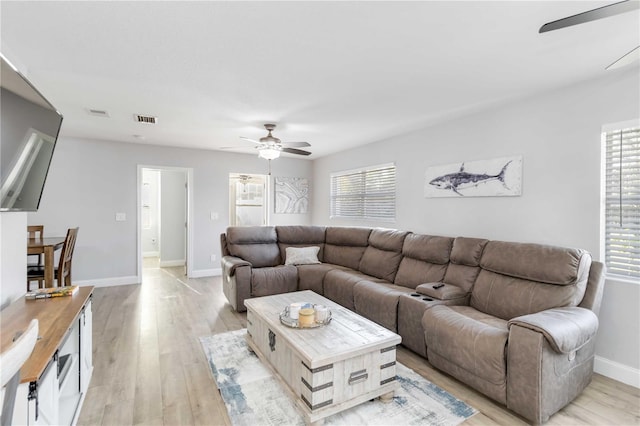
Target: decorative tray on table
[[295, 323]]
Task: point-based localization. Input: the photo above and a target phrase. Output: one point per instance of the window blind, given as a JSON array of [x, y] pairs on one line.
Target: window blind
[[622, 202], [368, 193]]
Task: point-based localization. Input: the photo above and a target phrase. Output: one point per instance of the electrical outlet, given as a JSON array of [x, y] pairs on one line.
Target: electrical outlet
[[213, 257]]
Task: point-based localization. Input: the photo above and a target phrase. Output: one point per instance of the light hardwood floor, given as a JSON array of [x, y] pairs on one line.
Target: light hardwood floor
[[149, 367]]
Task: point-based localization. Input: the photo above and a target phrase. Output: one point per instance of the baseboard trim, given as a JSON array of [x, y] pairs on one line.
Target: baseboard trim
[[201, 273], [616, 371], [110, 282], [151, 254], [170, 263]]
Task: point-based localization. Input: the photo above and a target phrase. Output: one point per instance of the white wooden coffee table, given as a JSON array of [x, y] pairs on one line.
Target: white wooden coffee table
[[327, 369]]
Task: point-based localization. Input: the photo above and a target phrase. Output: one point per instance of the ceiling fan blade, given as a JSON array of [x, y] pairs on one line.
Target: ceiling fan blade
[[591, 15], [296, 151], [296, 144], [238, 148], [628, 58], [249, 139]]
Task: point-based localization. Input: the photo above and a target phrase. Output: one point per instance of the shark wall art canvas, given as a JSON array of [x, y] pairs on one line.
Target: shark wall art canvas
[[498, 177]]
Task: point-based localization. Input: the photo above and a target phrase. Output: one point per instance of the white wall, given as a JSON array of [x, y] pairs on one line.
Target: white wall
[[13, 256], [558, 135], [90, 180], [173, 216]]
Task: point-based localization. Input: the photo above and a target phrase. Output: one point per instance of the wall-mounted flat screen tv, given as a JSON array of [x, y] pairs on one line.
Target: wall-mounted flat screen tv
[[29, 129]]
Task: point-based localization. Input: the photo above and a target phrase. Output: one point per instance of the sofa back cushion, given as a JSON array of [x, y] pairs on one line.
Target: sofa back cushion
[[255, 244], [300, 236], [345, 246], [465, 262], [384, 253], [425, 259], [519, 279]]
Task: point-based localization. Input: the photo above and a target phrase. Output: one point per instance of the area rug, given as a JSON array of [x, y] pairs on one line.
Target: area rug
[[254, 397]]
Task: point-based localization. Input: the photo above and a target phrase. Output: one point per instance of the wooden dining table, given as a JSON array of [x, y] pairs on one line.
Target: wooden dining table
[[46, 246]]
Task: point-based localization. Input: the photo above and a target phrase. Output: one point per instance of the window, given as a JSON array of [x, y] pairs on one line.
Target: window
[[247, 201], [622, 201], [368, 193]]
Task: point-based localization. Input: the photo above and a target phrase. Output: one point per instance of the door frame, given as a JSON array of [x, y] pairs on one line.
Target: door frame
[[189, 226]]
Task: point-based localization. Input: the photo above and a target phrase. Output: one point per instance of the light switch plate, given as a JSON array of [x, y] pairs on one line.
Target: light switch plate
[[121, 217]]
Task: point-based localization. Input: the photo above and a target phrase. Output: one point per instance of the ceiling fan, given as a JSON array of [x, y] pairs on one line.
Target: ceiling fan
[[269, 147], [595, 14]]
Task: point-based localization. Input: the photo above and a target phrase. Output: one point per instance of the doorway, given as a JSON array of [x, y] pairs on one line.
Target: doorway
[[164, 219], [248, 199]]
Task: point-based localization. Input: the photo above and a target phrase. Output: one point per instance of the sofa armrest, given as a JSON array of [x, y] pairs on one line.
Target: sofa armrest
[[445, 292], [231, 263], [236, 281], [566, 329]]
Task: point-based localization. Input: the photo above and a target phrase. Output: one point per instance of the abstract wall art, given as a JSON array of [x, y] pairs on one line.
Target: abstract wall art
[[292, 195], [498, 177]]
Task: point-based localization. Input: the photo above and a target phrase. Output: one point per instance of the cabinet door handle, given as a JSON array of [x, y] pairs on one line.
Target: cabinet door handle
[[358, 376], [272, 340]]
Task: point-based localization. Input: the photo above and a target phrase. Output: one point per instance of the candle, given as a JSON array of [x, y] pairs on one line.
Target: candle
[[322, 313], [306, 317], [294, 310]]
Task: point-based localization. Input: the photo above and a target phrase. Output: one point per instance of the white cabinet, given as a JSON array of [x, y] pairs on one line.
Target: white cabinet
[[61, 372], [69, 392], [46, 410], [86, 347]]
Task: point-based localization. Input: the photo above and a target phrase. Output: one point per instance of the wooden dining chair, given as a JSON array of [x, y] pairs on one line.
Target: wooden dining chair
[[62, 272], [35, 231]]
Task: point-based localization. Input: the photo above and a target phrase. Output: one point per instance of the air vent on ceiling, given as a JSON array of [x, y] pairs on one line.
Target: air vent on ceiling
[[145, 118], [97, 112]]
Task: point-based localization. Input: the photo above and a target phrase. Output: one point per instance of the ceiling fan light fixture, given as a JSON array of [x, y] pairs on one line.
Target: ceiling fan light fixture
[[269, 153], [269, 147]]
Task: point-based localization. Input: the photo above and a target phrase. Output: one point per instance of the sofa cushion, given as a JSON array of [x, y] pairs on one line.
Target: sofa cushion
[[345, 246], [273, 280], [473, 341], [378, 302], [384, 253], [387, 239], [301, 236], [515, 281], [339, 284], [465, 262], [380, 263], [348, 236], [425, 259], [412, 272], [467, 251], [462, 276], [255, 244], [311, 277], [536, 262], [301, 255], [428, 248]]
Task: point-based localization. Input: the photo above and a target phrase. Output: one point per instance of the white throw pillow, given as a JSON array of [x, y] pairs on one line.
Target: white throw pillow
[[302, 255]]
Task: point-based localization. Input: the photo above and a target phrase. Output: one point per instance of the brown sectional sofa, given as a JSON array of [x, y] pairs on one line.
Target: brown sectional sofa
[[515, 321]]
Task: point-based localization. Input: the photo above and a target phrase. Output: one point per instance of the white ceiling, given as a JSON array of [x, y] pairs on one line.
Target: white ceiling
[[335, 74]]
